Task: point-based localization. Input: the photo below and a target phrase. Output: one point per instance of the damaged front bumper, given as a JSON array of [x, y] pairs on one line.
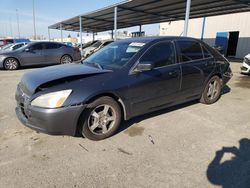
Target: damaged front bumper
[[59, 121]]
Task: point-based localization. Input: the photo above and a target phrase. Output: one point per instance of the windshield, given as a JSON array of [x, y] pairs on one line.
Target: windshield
[[97, 44], [115, 55]]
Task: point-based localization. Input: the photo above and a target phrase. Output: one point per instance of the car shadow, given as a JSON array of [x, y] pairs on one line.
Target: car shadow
[[226, 89], [126, 124], [233, 173], [37, 66], [235, 60], [29, 67]]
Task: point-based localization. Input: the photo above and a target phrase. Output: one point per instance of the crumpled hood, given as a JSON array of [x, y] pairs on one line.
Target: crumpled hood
[[33, 79]]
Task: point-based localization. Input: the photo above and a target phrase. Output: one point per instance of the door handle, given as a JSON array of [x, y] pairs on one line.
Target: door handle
[[209, 63], [173, 73]]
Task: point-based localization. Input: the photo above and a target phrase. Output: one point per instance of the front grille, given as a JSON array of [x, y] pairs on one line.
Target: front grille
[[243, 68]]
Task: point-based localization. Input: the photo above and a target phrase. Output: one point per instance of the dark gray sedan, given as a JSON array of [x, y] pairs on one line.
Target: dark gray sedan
[[127, 78], [39, 53]]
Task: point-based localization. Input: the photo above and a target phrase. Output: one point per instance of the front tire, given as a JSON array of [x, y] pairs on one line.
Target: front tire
[[212, 91], [101, 119], [11, 64]]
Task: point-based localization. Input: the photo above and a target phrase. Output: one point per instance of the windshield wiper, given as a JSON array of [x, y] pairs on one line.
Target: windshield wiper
[[97, 65]]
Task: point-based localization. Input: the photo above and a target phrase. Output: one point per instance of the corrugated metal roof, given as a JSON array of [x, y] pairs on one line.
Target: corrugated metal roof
[[141, 12]]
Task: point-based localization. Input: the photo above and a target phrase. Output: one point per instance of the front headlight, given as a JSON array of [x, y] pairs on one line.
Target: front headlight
[[51, 100]]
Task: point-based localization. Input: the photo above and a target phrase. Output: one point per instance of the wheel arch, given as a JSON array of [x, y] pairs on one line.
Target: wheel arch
[[113, 96], [93, 98], [213, 74]]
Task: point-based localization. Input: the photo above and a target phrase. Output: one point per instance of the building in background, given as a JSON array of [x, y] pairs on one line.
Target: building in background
[[68, 39], [230, 32], [104, 36]]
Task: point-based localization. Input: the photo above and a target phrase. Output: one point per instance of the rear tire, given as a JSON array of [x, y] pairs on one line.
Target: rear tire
[[11, 64], [66, 59], [212, 91], [101, 119]]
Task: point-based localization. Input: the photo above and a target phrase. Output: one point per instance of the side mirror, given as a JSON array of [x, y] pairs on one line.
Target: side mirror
[[142, 67], [27, 50]]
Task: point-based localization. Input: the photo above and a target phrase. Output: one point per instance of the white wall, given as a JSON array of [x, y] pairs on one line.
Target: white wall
[[226, 23]]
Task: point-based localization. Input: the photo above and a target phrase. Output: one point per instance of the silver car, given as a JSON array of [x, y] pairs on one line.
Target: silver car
[[12, 47], [39, 53]]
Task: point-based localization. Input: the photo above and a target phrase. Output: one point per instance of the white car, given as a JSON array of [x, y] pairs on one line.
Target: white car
[[245, 69], [95, 47]]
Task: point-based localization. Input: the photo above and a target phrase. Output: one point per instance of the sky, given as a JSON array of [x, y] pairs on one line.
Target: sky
[[48, 12]]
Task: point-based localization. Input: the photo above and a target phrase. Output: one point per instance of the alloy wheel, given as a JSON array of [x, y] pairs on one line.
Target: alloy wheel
[[66, 59], [11, 64], [101, 119], [213, 90]]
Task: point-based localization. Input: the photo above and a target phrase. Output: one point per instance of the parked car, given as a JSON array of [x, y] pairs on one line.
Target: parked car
[[68, 44], [125, 79], [88, 44], [39, 53], [95, 47], [9, 41], [12, 46], [245, 69]]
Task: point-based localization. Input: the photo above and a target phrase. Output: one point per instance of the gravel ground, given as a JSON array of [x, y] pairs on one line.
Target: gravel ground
[[178, 147]]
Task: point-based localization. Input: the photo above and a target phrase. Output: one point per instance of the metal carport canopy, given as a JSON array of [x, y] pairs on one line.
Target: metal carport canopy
[[141, 12]]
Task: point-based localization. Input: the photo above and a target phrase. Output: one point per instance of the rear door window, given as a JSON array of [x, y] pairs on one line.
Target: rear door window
[[36, 47], [206, 53], [49, 46], [160, 55], [189, 50]]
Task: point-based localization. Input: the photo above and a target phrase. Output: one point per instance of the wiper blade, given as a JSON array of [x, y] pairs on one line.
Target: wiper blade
[[93, 64], [97, 65]]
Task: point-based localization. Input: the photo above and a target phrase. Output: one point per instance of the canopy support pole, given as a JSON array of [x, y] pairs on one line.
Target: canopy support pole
[[115, 22], [140, 30], [61, 33], [203, 28], [80, 25], [49, 33], [188, 6], [112, 34]]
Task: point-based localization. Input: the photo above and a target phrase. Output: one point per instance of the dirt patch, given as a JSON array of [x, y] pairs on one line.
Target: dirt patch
[[124, 151], [243, 82], [134, 131], [40, 157], [3, 116]]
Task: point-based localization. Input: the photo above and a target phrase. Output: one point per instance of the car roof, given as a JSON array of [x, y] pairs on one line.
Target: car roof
[[20, 43], [43, 42], [155, 38]]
